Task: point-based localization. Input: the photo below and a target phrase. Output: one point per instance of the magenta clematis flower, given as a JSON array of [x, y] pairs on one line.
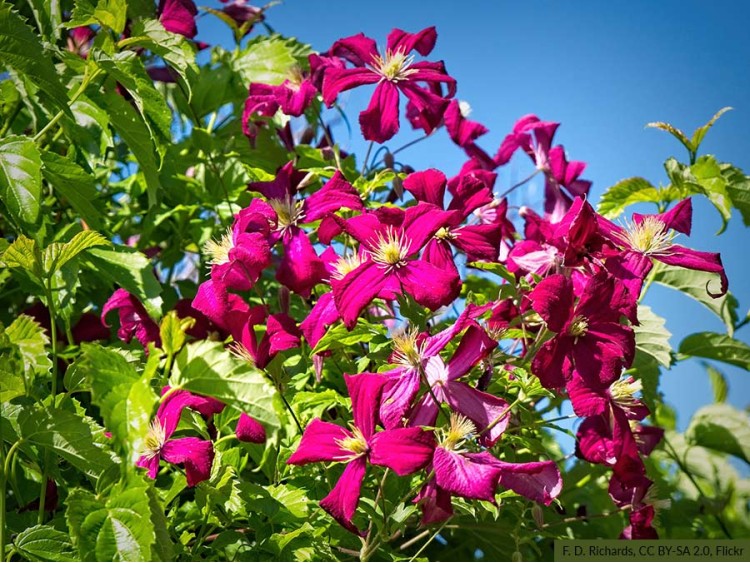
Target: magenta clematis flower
[[227, 311], [465, 132], [293, 96], [281, 334], [243, 14], [300, 267], [80, 39], [650, 237], [534, 137], [389, 237], [195, 454], [178, 16], [589, 339], [479, 242], [393, 72], [134, 320], [250, 430], [403, 450], [488, 413], [476, 475]]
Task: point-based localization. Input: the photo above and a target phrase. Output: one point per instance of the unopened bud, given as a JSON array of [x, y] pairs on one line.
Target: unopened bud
[[538, 514], [389, 160], [516, 556], [284, 299], [307, 136], [398, 188], [407, 169]]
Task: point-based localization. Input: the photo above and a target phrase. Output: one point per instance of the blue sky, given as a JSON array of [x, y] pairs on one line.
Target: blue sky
[[602, 69]]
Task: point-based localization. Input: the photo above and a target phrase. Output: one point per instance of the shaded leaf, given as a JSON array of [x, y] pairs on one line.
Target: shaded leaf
[[721, 428], [109, 13], [651, 336], [44, 543], [20, 177], [31, 340], [718, 383], [57, 254], [713, 346]]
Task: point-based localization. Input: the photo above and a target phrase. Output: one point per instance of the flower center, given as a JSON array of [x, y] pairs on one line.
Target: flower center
[[650, 236], [346, 264], [295, 77], [390, 250], [395, 66], [218, 251], [622, 392], [154, 441], [460, 427], [406, 350], [445, 233], [578, 326], [355, 443], [288, 211]]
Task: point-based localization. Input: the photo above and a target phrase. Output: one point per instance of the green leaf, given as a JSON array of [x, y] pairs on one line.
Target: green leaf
[[75, 185], [22, 50], [738, 189], [66, 434], [172, 332], [707, 174], [497, 269], [132, 271], [127, 68], [31, 340], [713, 346], [44, 543], [651, 336], [20, 177], [109, 13], [80, 503], [23, 253], [206, 368], [130, 125], [721, 428], [57, 254], [12, 371], [700, 132], [696, 284], [718, 383], [122, 531], [125, 399], [676, 133], [268, 59], [338, 336], [627, 192], [172, 47]]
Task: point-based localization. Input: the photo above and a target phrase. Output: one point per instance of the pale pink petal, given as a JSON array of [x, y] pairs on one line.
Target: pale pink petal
[[398, 394]]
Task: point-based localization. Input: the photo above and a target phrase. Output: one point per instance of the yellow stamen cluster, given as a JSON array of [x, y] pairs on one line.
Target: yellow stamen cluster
[[444, 233], [346, 264], [406, 350], [155, 439], [288, 211], [355, 443], [650, 236], [218, 251], [460, 427], [578, 326], [394, 67], [622, 391], [391, 249], [240, 351]]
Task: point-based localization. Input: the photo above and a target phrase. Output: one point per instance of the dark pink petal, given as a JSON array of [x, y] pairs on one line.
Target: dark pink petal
[[586, 400], [677, 255], [539, 481], [428, 285], [479, 242], [301, 269], [422, 221], [170, 409], [357, 289], [398, 394], [630, 269], [322, 315], [261, 100], [596, 442], [603, 352], [434, 74], [422, 41], [320, 442], [226, 310], [470, 191], [404, 450], [428, 186], [337, 193], [474, 347], [339, 80], [461, 475], [647, 438], [509, 146], [134, 320], [341, 502], [462, 131], [357, 49], [679, 218], [552, 298], [282, 333], [379, 122], [438, 253], [295, 98], [281, 187], [551, 364], [483, 409], [365, 390], [250, 430], [435, 503], [425, 412], [151, 464], [426, 109], [178, 16], [195, 454]]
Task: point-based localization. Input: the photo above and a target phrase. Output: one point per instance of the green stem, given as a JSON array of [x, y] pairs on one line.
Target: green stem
[[518, 184], [429, 541], [499, 417], [5, 467], [77, 94], [367, 157]]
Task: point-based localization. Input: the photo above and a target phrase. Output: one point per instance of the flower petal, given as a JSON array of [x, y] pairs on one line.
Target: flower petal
[[552, 298], [355, 290], [427, 185], [404, 450], [483, 409], [341, 502], [195, 454], [398, 394], [379, 122], [429, 285], [365, 390], [320, 442], [539, 481], [422, 41], [250, 430], [462, 476]]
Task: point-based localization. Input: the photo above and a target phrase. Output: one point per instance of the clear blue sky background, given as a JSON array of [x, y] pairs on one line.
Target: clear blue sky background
[[602, 69]]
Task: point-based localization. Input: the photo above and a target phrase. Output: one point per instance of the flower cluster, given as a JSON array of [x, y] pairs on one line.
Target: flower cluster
[[345, 255]]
